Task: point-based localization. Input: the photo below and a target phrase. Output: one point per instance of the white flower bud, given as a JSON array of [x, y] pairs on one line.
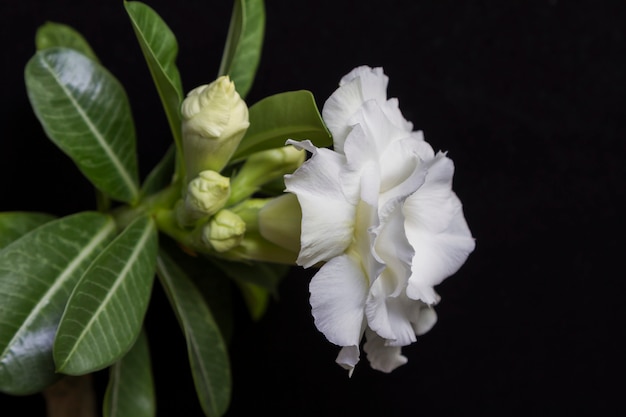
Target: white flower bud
[[215, 118], [225, 231], [279, 222], [206, 195]]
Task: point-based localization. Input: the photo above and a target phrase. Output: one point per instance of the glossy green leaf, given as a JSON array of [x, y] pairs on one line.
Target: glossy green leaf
[[273, 120], [130, 392], [161, 175], [85, 112], [15, 224], [37, 275], [211, 281], [207, 351], [52, 34], [242, 51], [105, 312], [160, 48]]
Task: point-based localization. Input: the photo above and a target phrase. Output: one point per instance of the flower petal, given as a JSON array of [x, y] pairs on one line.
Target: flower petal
[[348, 358], [338, 293], [361, 84], [327, 212], [382, 357], [437, 230]]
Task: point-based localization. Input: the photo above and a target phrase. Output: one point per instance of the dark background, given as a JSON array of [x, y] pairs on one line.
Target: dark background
[[527, 97]]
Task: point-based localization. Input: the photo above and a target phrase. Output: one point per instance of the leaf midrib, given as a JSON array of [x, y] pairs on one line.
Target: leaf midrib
[[119, 166], [130, 262], [83, 254]]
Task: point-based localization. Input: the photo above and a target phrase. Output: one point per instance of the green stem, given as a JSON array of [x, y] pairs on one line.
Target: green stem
[[164, 199]]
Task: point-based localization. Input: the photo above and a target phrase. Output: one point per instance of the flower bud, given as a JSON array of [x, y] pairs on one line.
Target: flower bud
[[215, 118], [280, 220], [263, 167], [224, 231], [206, 195]]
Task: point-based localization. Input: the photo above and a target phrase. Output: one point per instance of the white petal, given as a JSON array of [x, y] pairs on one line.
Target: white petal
[[338, 293], [327, 213], [438, 255], [377, 125], [382, 357], [426, 319], [348, 358], [394, 250], [361, 84], [392, 318]]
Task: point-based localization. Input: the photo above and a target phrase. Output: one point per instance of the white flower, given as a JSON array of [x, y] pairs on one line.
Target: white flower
[[380, 217]]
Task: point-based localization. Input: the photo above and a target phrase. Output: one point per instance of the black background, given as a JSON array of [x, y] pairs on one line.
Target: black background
[[527, 97]]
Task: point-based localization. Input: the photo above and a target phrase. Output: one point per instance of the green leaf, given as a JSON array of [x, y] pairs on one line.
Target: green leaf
[[85, 112], [52, 34], [160, 48], [208, 356], [211, 281], [273, 120], [15, 224], [130, 392], [242, 51], [37, 274], [105, 312], [161, 175], [257, 282]]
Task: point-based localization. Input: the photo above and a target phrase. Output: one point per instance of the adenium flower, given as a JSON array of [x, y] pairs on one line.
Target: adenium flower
[[380, 217]]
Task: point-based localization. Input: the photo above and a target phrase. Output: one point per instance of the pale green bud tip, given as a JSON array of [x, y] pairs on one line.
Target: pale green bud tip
[[207, 193], [286, 158], [280, 222], [215, 118], [225, 231]]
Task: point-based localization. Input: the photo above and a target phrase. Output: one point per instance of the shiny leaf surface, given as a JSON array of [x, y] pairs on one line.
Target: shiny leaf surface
[[160, 48], [85, 112], [273, 120], [105, 312], [242, 51], [208, 356], [37, 275], [130, 391], [15, 224], [52, 34]]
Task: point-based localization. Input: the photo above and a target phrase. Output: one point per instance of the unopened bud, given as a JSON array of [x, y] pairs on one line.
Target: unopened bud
[[224, 231], [280, 222], [215, 118], [206, 195], [263, 167]]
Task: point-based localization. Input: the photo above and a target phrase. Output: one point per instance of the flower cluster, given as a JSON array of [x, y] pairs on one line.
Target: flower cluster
[[380, 218]]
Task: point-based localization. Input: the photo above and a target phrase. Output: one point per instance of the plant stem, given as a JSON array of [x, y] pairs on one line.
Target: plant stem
[[72, 396]]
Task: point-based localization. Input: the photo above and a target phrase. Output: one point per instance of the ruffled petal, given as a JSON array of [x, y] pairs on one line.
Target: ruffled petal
[[327, 212], [425, 320], [437, 230], [382, 357], [361, 84], [338, 294], [348, 358]]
